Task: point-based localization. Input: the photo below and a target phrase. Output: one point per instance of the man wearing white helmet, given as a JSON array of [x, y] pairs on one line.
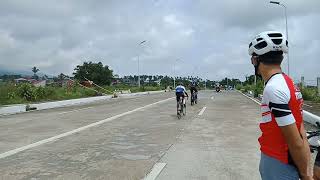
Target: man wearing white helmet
[[285, 152], [180, 93]]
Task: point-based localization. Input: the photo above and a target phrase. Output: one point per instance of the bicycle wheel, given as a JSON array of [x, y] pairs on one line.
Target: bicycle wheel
[[179, 115], [179, 110], [184, 109]]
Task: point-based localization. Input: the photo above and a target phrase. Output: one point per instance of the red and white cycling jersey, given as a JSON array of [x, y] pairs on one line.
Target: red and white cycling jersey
[[281, 105]]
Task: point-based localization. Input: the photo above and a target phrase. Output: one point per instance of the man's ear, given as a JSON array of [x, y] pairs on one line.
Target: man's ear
[[254, 60]]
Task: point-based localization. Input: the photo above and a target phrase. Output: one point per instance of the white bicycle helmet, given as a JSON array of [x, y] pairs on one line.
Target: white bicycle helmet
[[268, 41]]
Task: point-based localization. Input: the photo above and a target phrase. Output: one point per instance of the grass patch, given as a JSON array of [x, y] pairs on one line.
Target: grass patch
[[27, 93], [310, 94]]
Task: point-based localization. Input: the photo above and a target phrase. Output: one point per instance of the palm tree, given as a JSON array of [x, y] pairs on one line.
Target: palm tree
[[35, 70]]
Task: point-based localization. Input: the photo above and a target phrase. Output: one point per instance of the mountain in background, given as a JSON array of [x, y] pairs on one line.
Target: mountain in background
[[20, 72]]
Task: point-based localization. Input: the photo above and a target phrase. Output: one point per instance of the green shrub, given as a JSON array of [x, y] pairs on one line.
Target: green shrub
[[239, 87], [258, 89], [310, 94], [12, 95], [26, 91], [248, 88]]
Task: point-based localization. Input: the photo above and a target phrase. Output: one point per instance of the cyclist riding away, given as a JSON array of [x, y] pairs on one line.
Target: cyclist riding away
[[180, 93], [285, 153], [193, 89]]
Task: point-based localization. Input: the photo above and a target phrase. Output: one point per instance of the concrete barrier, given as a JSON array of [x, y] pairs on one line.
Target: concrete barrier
[[310, 118], [56, 104], [71, 102], [12, 109]]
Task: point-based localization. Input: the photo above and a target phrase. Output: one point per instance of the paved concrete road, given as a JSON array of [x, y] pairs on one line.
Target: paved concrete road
[[220, 144], [123, 138]]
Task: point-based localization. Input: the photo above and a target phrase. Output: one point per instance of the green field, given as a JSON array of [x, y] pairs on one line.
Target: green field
[[26, 93]]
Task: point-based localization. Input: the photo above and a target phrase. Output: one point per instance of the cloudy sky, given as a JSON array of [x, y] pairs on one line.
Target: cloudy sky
[[207, 38]]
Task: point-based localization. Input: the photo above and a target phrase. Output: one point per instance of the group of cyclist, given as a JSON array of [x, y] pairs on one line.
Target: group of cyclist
[[181, 92]]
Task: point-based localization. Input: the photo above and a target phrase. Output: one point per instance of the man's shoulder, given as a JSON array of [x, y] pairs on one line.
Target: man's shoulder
[[277, 89]]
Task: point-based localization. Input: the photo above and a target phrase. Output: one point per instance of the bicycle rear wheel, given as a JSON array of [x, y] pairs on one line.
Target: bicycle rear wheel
[[179, 112], [179, 115]]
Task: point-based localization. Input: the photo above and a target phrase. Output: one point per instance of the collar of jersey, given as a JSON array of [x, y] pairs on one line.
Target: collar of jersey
[[272, 77]]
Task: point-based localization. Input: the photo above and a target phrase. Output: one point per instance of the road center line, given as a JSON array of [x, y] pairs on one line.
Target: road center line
[[54, 138], [156, 170], [202, 111], [75, 110]]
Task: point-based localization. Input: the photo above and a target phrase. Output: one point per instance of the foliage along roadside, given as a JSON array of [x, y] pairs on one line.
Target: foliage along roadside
[[308, 93], [26, 93]]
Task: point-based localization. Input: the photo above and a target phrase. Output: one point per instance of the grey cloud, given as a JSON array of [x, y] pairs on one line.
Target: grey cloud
[[209, 37]]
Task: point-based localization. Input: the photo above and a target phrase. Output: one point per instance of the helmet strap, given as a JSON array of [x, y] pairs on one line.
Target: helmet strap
[[256, 68]]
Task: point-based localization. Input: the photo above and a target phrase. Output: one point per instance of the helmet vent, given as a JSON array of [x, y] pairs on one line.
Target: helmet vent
[[261, 45], [259, 39], [250, 44], [287, 43], [275, 35], [277, 41]]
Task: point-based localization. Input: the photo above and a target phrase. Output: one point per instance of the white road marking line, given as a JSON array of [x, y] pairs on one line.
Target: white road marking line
[[212, 97], [250, 98], [307, 105], [202, 111], [54, 138], [156, 170], [75, 110]]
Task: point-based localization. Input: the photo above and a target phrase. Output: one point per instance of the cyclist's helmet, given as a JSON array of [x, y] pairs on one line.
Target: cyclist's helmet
[[268, 41]]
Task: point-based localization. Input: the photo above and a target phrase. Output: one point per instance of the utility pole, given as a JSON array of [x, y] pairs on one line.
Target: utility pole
[[318, 84], [287, 34], [139, 63], [255, 80]]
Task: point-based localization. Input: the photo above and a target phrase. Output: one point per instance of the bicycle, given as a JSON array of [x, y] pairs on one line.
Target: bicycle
[[313, 140], [314, 143], [194, 98], [181, 108]]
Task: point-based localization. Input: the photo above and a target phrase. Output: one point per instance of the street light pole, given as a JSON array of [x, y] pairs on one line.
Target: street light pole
[[174, 73], [139, 64], [138, 71], [287, 34]]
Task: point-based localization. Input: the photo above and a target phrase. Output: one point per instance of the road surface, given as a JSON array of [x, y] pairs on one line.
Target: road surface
[[126, 138]]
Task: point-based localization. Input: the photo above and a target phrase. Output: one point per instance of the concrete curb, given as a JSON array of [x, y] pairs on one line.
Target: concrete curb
[[307, 116], [14, 109], [71, 102]]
